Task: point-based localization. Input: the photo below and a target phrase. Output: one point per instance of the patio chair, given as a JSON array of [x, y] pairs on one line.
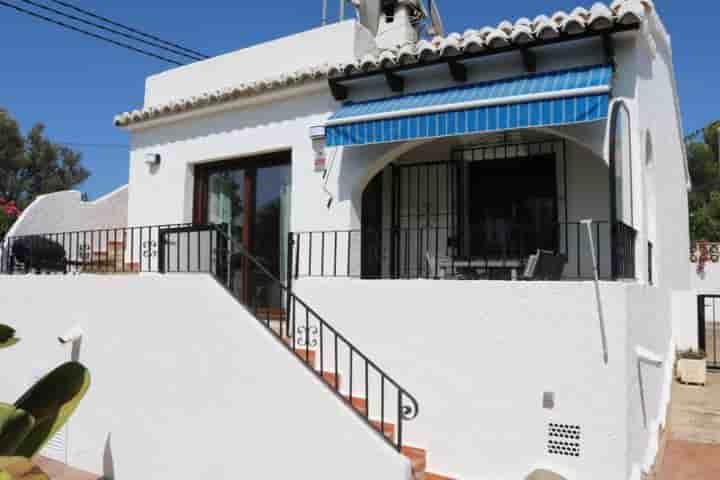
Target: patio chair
[[530, 267], [38, 253], [438, 267], [545, 265]]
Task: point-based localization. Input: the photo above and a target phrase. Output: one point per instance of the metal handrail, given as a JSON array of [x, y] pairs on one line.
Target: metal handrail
[[421, 251], [288, 334]]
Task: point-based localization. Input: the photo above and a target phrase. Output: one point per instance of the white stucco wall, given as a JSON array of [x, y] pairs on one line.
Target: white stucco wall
[[165, 194], [660, 162], [67, 212], [341, 42], [649, 327], [459, 325], [281, 121], [185, 384], [479, 355]]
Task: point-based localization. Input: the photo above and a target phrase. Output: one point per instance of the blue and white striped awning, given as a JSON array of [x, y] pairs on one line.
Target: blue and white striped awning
[[546, 99]]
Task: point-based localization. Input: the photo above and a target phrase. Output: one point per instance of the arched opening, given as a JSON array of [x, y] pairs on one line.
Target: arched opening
[[622, 210], [650, 201], [490, 200], [621, 164]]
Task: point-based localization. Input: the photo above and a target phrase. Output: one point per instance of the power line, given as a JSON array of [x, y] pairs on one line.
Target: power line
[[91, 145], [111, 30], [130, 29], [89, 34]]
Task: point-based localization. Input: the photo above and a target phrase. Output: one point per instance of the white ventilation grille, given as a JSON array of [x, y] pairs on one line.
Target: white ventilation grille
[[564, 439]]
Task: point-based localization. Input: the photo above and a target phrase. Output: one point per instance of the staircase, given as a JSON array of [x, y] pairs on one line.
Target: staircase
[[276, 320], [378, 399]]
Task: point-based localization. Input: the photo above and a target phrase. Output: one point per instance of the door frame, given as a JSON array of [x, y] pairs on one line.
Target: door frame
[[713, 363], [250, 165], [202, 173]]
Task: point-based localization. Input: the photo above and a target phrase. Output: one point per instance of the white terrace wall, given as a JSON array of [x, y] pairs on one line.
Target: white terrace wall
[[185, 384], [650, 323], [67, 212], [478, 356], [659, 160]]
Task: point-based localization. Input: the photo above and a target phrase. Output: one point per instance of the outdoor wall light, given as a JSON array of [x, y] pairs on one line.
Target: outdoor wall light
[[74, 336], [152, 159]]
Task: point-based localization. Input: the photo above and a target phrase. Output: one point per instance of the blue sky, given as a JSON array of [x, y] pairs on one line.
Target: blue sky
[[75, 85]]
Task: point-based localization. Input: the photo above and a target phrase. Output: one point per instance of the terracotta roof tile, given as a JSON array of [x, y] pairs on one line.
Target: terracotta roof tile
[[600, 17]]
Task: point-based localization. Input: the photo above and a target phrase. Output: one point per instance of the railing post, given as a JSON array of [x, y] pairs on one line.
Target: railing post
[[289, 280], [228, 259], [161, 251]]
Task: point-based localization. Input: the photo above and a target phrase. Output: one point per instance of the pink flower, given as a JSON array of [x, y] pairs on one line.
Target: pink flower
[[11, 210]]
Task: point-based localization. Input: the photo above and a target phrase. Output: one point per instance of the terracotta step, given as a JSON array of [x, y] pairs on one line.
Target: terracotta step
[[435, 476], [387, 428], [133, 267], [360, 404], [279, 327], [271, 313], [418, 457], [331, 378], [308, 356]]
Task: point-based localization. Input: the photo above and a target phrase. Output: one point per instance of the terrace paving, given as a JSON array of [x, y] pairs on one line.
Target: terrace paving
[[692, 451], [59, 471]]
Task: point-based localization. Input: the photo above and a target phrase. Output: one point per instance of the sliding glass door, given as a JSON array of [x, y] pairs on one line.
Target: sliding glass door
[[251, 199]]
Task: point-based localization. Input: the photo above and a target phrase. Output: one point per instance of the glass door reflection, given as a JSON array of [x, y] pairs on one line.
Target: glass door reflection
[[253, 204]]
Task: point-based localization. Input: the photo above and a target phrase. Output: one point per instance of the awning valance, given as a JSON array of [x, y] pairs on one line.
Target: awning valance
[[556, 98]]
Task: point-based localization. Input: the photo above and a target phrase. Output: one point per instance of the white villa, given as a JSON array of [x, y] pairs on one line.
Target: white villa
[[377, 250]]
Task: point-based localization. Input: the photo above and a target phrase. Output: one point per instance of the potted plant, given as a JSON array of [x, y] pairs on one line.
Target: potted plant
[[692, 367]]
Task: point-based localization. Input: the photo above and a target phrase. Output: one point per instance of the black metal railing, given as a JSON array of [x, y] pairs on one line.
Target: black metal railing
[[156, 248], [186, 248], [624, 255], [344, 368], [494, 250]]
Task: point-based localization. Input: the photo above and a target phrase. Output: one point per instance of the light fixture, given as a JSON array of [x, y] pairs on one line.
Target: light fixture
[[152, 159], [74, 336]]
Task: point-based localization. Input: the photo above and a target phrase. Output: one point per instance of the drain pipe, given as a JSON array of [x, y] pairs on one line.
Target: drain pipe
[[588, 223]]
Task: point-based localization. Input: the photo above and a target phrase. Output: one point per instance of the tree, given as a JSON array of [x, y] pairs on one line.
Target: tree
[[32, 165], [710, 136], [704, 200]]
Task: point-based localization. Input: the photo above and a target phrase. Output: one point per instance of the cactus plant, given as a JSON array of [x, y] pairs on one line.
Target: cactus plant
[[7, 336], [28, 425], [51, 401], [15, 425]]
